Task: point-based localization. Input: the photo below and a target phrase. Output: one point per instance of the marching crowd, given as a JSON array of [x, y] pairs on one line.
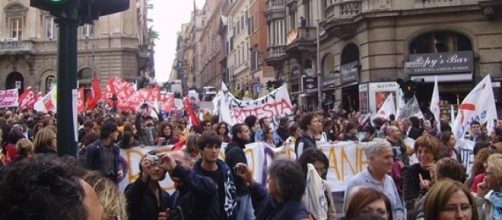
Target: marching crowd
[[426, 181]]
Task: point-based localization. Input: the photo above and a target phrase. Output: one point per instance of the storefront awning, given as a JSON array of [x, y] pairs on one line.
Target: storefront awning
[[457, 77]]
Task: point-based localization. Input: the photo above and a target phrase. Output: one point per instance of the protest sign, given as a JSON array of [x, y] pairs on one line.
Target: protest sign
[[274, 105], [345, 158], [8, 98]]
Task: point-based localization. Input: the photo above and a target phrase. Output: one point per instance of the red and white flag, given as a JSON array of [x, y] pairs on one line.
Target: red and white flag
[[27, 99], [194, 120], [435, 107], [168, 103], [80, 100], [48, 102], [388, 107], [479, 105]]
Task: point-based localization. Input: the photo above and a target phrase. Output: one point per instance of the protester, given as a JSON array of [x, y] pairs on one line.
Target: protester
[[418, 178], [145, 198], [234, 154], [474, 131], [496, 138], [250, 121], [318, 190], [164, 134], [449, 142], [478, 169], [286, 185], [223, 203], [260, 133], [490, 190], [367, 200], [310, 125], [409, 130], [45, 141], [350, 132], [449, 199], [103, 155], [24, 148], [222, 131], [111, 198], [380, 160], [283, 130], [46, 190]]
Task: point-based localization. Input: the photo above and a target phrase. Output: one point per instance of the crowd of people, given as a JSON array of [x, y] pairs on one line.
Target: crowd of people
[[37, 184]]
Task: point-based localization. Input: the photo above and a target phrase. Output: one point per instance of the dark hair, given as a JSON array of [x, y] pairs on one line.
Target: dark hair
[[349, 126], [222, 124], [369, 129], [445, 137], [498, 134], [293, 128], [89, 138], [160, 131], [46, 189], [306, 119], [289, 177], [108, 128], [262, 121], [362, 197], [475, 123], [125, 142], [209, 139], [88, 123], [311, 155], [450, 168], [284, 120], [204, 123], [250, 120], [415, 122], [236, 129]]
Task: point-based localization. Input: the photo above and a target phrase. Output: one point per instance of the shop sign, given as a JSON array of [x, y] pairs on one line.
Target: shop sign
[[378, 92], [309, 83], [349, 73], [437, 63]]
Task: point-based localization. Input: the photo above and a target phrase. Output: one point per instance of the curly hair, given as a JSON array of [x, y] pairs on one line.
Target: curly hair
[[41, 188], [290, 178], [110, 197], [306, 119], [160, 131]]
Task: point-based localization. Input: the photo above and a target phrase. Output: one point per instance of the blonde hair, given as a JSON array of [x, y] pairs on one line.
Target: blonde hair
[[113, 201], [24, 147], [495, 162], [43, 138]]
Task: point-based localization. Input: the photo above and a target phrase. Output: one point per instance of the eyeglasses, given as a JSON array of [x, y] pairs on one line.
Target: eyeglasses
[[457, 208]]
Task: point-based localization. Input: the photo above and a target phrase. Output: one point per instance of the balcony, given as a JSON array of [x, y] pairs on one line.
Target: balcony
[[276, 9], [437, 3], [340, 19], [301, 40], [16, 47], [276, 56]]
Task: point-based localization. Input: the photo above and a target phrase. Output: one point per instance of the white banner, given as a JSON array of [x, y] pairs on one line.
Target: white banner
[[345, 160], [48, 102], [9, 98], [232, 110], [435, 106], [479, 105]]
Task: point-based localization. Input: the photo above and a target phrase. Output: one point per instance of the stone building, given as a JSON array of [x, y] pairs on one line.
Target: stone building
[[115, 45], [211, 45], [367, 43]]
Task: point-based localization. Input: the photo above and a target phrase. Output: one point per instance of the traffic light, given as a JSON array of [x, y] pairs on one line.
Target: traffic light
[[55, 7]]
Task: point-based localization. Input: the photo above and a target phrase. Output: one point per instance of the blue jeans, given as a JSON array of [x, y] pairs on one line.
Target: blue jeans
[[245, 209]]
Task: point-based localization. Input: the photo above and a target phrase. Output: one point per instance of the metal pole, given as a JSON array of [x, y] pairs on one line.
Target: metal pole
[[67, 82], [319, 73]]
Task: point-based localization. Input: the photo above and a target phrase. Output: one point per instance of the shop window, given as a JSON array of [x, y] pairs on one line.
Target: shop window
[[350, 53], [328, 64], [440, 42]]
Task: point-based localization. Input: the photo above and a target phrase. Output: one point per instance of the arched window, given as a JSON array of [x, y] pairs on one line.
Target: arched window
[[15, 13], [85, 77], [440, 42], [15, 80], [328, 65], [350, 53], [50, 82]]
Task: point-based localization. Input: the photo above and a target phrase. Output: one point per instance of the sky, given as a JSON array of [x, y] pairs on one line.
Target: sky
[[168, 15]]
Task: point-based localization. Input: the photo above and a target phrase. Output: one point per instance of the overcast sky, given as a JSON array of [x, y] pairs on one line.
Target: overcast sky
[[168, 15]]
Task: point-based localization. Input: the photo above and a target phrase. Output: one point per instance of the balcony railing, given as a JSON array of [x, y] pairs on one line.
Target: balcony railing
[[345, 9], [439, 3], [16, 46], [276, 50], [275, 3]]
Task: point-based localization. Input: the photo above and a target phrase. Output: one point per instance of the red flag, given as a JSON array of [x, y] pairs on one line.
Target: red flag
[[95, 93], [191, 113], [168, 103], [80, 100], [27, 99]]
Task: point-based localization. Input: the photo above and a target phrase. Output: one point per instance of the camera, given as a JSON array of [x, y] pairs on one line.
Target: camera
[[153, 158]]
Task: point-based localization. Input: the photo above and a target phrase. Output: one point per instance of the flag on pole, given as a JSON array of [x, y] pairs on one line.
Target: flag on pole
[[27, 99], [401, 105], [435, 107], [95, 93], [388, 108], [80, 100], [48, 102], [191, 113], [479, 105]]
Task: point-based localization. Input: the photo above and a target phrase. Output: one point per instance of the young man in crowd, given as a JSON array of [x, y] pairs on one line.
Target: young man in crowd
[[103, 155], [310, 125], [234, 153]]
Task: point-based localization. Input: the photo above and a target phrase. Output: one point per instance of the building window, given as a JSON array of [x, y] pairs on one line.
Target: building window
[[50, 82], [50, 28], [350, 53], [16, 28], [88, 30], [440, 42]]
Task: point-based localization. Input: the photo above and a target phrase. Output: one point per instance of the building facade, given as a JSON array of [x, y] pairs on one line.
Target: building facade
[[369, 41], [211, 46], [115, 45]]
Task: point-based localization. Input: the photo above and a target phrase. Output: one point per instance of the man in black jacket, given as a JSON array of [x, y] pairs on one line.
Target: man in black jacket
[[234, 153]]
